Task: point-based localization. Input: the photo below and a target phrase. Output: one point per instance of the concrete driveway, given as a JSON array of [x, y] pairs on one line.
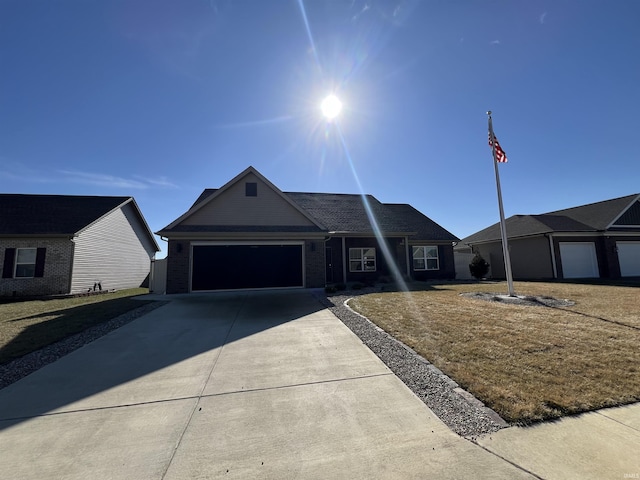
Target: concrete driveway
[[241, 385]]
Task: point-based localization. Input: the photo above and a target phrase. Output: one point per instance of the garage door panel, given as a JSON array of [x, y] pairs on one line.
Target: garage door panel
[[629, 258], [579, 260], [228, 267]]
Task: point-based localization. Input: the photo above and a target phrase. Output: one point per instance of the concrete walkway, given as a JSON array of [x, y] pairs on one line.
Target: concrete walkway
[[599, 445], [243, 385]]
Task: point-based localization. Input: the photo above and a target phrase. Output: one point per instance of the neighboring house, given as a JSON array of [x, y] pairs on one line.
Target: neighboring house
[[62, 244], [599, 240], [249, 234]]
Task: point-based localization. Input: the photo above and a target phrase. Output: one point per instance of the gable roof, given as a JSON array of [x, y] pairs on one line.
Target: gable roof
[[210, 194], [207, 192], [425, 228], [347, 213], [599, 215], [52, 215], [593, 217], [340, 212], [332, 213]]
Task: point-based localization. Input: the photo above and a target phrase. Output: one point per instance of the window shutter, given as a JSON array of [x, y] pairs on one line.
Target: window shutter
[[9, 257], [40, 255]]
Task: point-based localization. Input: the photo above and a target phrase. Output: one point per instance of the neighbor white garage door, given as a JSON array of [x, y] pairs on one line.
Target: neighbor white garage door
[[629, 258], [579, 260]]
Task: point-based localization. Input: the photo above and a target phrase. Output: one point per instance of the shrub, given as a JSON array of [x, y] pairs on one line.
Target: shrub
[[478, 267], [357, 286], [341, 286], [330, 289]]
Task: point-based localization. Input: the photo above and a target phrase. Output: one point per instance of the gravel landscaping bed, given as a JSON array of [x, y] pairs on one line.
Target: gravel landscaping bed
[[458, 409], [21, 367], [527, 300]]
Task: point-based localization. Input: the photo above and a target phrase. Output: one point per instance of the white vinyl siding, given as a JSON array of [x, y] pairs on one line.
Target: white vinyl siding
[[114, 252]]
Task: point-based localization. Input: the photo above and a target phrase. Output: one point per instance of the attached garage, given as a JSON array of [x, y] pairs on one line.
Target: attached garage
[[629, 258], [235, 266], [579, 260]]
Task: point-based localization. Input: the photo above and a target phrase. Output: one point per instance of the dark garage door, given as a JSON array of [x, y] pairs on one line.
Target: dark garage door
[[228, 267]]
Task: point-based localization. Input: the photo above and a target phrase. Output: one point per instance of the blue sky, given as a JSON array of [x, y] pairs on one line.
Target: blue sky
[[161, 99]]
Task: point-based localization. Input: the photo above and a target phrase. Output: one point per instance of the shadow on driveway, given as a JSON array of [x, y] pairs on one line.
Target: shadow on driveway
[[170, 353], [56, 325]]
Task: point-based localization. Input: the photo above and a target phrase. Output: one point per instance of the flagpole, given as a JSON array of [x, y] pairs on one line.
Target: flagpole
[[503, 229]]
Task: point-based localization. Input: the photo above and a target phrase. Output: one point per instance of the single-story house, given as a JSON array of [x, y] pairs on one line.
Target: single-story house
[[248, 234], [598, 240], [67, 244]]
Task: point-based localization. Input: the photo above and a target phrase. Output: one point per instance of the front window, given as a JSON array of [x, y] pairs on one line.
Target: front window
[[362, 259], [25, 262], [425, 258]]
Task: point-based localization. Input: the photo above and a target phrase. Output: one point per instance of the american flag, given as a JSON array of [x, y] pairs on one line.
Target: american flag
[[501, 157]]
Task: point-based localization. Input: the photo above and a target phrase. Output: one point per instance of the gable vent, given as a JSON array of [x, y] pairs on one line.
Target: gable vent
[[251, 189]]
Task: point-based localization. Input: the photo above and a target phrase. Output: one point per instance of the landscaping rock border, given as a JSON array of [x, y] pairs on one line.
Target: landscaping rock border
[[458, 409]]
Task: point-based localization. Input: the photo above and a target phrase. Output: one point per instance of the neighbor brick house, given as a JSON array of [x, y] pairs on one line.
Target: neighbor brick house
[[248, 234], [598, 240], [65, 244]]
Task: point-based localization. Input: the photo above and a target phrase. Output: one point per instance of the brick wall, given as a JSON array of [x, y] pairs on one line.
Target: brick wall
[[57, 267], [314, 263], [178, 266]]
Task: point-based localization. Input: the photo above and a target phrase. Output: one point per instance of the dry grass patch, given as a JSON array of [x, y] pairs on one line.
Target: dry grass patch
[[30, 325], [527, 363]]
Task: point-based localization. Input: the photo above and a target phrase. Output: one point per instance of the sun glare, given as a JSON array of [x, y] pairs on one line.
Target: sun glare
[[331, 107]]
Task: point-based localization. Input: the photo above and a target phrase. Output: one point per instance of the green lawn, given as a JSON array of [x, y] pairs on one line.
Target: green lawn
[[30, 325]]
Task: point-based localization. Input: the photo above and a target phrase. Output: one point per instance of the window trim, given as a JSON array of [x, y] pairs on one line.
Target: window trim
[[362, 259], [16, 262], [425, 258]]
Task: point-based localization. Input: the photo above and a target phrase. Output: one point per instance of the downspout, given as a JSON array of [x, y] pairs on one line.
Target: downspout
[[553, 256], [72, 258], [406, 251], [344, 261]]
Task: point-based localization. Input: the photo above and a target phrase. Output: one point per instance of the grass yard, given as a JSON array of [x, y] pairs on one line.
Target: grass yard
[[527, 363], [30, 325]]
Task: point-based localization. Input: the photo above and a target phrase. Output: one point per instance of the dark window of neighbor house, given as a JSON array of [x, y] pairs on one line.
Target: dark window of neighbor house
[[251, 189], [362, 259], [23, 262], [425, 258]]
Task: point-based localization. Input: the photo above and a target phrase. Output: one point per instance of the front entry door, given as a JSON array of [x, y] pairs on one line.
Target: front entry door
[[328, 258]]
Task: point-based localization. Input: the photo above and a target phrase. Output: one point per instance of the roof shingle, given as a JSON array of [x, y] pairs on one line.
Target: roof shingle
[[52, 214], [593, 217], [347, 213]]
